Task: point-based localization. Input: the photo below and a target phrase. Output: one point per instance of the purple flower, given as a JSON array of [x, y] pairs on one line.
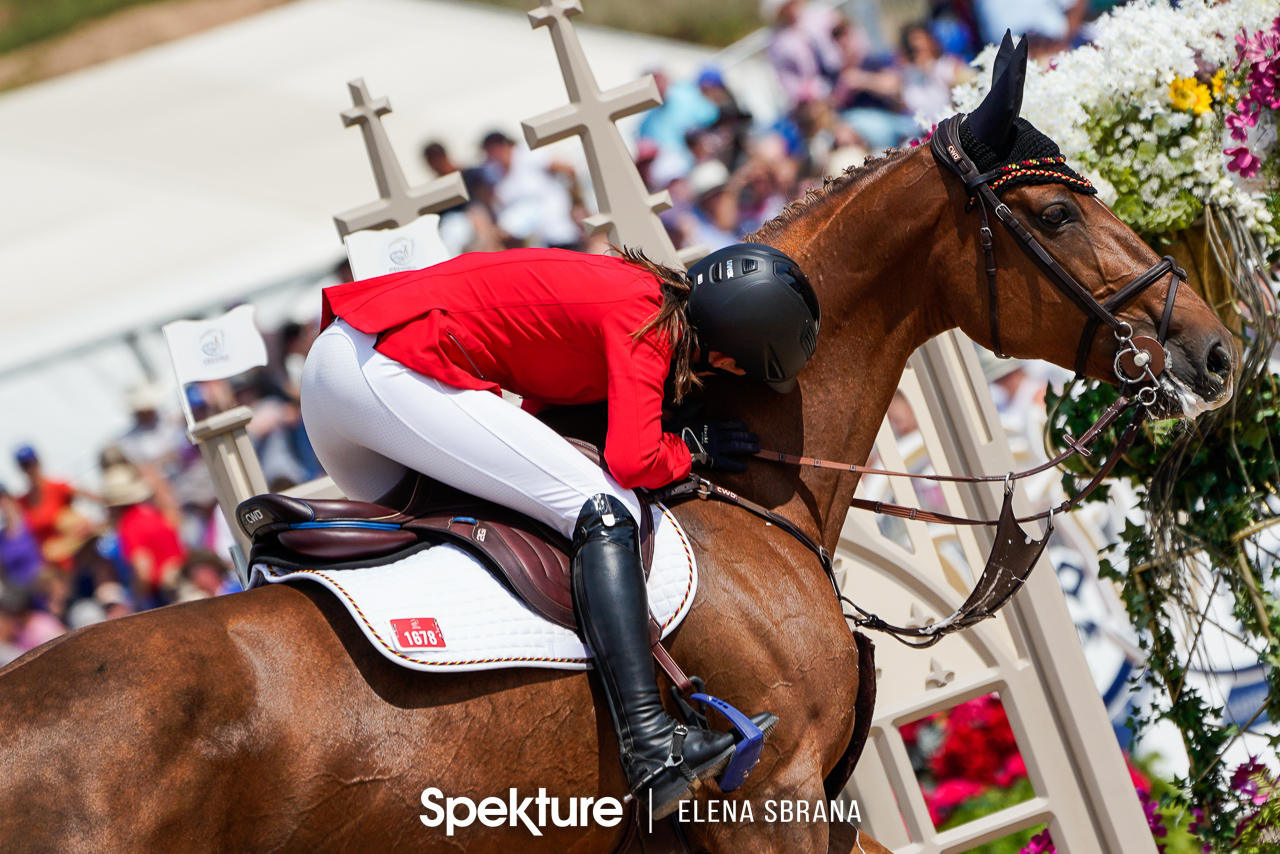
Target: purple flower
[[1238, 122], [1248, 780], [1241, 159], [1040, 844]]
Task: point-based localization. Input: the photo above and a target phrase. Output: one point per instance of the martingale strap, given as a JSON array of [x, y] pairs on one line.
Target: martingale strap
[[1012, 557]]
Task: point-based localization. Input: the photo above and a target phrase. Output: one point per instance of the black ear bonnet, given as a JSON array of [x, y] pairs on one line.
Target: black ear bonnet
[[999, 141], [1033, 159]]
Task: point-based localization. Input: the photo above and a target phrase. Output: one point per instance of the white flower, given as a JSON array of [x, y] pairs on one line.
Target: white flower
[[1107, 106]]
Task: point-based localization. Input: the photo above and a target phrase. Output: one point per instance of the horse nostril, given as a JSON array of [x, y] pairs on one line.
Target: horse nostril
[[1217, 362]]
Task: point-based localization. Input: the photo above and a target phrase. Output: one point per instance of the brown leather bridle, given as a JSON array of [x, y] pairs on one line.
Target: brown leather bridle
[[1139, 359]]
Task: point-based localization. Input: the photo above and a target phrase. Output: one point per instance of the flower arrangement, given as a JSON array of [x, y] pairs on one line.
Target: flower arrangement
[[1167, 111], [1258, 64], [1173, 114], [969, 766]]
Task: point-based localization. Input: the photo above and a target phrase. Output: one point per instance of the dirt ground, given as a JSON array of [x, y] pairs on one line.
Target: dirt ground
[[120, 34]]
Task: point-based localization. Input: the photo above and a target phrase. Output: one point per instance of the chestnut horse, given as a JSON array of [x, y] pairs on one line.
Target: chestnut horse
[[265, 722]]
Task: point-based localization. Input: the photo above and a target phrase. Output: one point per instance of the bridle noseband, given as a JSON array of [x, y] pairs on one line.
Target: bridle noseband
[[1139, 358]]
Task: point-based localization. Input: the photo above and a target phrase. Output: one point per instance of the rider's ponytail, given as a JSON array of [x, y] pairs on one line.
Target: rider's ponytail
[[670, 322]]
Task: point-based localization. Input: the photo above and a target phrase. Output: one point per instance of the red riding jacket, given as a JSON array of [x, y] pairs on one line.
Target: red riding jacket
[[550, 325]]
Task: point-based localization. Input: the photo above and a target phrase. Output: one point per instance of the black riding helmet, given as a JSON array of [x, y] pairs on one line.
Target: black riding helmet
[[753, 303]]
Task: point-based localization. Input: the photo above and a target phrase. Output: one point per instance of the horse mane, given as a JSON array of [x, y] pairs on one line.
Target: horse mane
[[818, 198]]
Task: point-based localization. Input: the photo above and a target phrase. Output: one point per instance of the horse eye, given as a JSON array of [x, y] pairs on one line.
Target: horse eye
[[1056, 215]]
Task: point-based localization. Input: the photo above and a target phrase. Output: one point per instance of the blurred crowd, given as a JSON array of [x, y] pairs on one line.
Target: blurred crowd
[[153, 535], [728, 171]]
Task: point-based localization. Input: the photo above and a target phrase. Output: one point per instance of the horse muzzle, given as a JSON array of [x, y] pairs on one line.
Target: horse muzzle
[[1199, 376]]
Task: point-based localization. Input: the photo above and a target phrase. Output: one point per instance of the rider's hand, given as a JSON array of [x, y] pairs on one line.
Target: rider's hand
[[712, 441]]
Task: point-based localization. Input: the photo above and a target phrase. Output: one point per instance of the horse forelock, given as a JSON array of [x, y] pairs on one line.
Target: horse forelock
[[817, 199]]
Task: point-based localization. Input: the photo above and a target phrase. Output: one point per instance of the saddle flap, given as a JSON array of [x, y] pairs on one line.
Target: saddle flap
[[346, 543], [534, 566]]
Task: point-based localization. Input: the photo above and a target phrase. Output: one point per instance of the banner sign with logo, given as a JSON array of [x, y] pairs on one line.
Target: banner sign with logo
[[215, 349], [394, 250]]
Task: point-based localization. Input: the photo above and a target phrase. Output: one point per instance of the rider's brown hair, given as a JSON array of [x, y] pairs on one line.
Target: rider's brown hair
[[670, 322]]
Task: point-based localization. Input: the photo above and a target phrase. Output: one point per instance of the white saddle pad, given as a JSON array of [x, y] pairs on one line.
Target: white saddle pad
[[441, 610]]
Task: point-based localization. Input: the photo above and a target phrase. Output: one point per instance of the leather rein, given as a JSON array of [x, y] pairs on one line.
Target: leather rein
[[1139, 359]]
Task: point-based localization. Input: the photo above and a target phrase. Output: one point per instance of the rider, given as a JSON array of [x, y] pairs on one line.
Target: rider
[[401, 378]]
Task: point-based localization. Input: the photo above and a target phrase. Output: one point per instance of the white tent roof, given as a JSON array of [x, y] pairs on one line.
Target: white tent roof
[[197, 171]]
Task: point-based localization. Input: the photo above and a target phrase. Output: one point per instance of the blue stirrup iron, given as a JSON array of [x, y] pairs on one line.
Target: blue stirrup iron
[[747, 753]]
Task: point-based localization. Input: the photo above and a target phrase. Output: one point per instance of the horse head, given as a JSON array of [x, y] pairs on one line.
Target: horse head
[[1035, 315]]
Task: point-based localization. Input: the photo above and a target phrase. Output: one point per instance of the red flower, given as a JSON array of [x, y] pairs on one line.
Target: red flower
[[978, 742], [1014, 770], [950, 794]]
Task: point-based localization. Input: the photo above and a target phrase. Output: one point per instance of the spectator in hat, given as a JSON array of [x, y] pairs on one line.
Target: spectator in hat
[[534, 205], [45, 498], [114, 599], [714, 216], [152, 440], [19, 551], [732, 122], [147, 539], [683, 109], [84, 612], [72, 533]]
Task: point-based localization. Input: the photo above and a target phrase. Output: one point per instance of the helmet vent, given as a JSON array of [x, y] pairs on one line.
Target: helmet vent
[[809, 340]]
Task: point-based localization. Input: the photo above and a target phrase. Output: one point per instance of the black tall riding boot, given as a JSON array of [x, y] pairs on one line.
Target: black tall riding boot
[[611, 601]]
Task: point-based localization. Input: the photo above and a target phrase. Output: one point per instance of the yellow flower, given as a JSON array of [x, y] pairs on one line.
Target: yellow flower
[[1219, 80], [1203, 102], [1189, 95]]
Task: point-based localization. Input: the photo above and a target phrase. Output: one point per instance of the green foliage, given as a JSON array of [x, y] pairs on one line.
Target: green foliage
[[25, 21], [1177, 820], [992, 800], [1202, 483]]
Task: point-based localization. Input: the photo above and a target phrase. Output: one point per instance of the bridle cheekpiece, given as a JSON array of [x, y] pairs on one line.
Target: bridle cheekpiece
[[1141, 358]]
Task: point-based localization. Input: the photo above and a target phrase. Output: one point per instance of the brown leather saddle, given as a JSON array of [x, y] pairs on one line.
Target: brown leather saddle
[[531, 559]]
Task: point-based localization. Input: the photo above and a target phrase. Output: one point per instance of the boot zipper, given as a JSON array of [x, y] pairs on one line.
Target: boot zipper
[[602, 507]]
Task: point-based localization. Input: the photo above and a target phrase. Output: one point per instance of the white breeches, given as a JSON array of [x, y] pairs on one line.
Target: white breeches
[[370, 418]]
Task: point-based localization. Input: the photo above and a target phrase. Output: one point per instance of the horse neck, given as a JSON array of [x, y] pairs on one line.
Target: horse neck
[[870, 246]]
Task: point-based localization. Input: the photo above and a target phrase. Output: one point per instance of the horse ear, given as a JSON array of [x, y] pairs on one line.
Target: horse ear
[[1003, 55], [992, 120]]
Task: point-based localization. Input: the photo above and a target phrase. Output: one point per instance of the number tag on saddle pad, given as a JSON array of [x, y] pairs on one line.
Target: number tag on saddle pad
[[417, 633]]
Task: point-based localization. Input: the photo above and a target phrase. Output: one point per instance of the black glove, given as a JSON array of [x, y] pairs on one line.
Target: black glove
[[712, 440]]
